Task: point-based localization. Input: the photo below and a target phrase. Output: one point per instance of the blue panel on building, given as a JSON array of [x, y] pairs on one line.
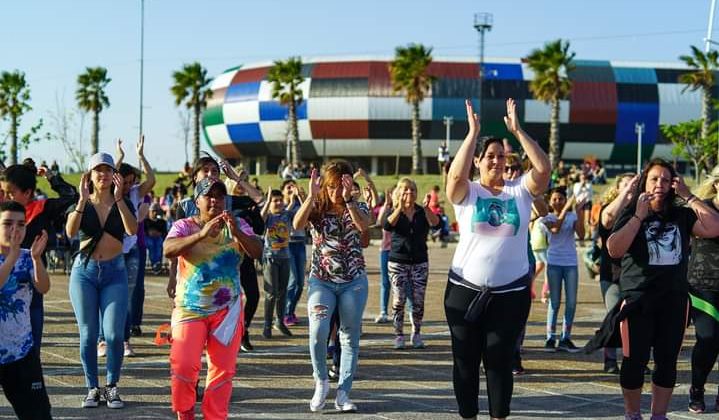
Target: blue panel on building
[[630, 113], [635, 75], [450, 107], [241, 92], [244, 133], [273, 111], [503, 71]]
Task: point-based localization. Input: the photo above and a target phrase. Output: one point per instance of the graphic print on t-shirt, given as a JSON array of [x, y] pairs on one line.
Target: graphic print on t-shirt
[[664, 243], [278, 235], [495, 217]]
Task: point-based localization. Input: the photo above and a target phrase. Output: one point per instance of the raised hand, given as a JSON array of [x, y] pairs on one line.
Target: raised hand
[[84, 186], [681, 188], [38, 245], [367, 194], [630, 187], [118, 149], [511, 120], [213, 227], [118, 181], [315, 184], [360, 174], [427, 198], [141, 146], [388, 197], [229, 221], [16, 237], [472, 119], [643, 201], [347, 185]]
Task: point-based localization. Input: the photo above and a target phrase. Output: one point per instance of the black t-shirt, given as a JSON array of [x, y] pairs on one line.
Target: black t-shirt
[[409, 238], [609, 267], [656, 261], [704, 261]]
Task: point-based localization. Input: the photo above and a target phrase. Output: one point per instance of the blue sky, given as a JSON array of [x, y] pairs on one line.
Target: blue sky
[[52, 41]]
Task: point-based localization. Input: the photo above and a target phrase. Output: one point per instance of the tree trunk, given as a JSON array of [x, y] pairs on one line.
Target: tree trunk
[[13, 139], [697, 170], [196, 136], [416, 140], [707, 115], [95, 140], [295, 156], [555, 147]]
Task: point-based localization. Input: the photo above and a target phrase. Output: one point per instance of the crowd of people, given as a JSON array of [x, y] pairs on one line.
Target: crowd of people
[[650, 242]]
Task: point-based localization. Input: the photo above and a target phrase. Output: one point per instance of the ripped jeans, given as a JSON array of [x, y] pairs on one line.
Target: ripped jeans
[[350, 299]]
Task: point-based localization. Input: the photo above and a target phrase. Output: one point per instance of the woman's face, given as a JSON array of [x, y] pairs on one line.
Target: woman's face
[[101, 177], [557, 201], [659, 184], [334, 191], [127, 183], [13, 192], [407, 194], [624, 182], [212, 204], [492, 163], [208, 170]]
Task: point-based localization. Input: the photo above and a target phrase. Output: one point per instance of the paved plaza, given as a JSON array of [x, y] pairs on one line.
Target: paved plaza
[[275, 381]]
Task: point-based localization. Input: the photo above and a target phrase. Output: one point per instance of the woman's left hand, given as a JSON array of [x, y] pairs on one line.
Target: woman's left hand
[[511, 120], [39, 244], [681, 188]]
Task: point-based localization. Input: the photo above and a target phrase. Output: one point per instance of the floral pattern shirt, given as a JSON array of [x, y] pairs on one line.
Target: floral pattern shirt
[[15, 296], [337, 248], [208, 274]]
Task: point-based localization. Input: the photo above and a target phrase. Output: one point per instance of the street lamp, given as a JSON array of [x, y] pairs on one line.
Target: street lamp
[[142, 56], [639, 129], [482, 23]]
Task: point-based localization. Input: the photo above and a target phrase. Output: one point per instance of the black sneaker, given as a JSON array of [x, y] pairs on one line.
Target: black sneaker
[[267, 332], [567, 345], [93, 398], [135, 331], [550, 345], [518, 370], [696, 400], [283, 329], [112, 396], [246, 346]]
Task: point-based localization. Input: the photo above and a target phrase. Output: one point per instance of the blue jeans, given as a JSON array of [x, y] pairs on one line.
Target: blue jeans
[[154, 248], [322, 299], [384, 286], [137, 298], [132, 265], [298, 259], [556, 275], [100, 287]]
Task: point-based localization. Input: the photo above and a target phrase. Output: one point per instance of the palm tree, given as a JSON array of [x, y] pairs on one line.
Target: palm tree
[[551, 84], [286, 77], [408, 73], [91, 97], [14, 97], [191, 87], [702, 77]]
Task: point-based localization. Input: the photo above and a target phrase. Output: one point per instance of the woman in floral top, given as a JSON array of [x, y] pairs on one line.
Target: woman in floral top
[[207, 313], [338, 279]]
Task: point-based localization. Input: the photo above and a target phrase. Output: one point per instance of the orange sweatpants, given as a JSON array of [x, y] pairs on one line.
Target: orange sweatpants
[[189, 339]]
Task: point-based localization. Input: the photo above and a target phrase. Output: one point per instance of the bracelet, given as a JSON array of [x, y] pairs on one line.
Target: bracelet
[[78, 211], [691, 197], [351, 204], [640, 220], [117, 201]]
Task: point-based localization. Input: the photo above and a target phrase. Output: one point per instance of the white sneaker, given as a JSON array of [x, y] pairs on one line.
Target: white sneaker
[[93, 398], [322, 388], [128, 352], [343, 402], [101, 349]]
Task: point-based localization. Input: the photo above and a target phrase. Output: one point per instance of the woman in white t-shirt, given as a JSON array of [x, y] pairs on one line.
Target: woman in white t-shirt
[[487, 298], [560, 226]]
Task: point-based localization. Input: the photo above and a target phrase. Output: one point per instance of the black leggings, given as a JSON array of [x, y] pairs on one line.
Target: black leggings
[[24, 387], [248, 280], [706, 348], [491, 341], [661, 327]]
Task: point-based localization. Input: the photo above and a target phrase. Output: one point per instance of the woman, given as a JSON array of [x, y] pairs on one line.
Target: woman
[[19, 183], [651, 236], [561, 225], [614, 200], [384, 248], [487, 299], [704, 282], [408, 263], [98, 279], [338, 278], [209, 248]]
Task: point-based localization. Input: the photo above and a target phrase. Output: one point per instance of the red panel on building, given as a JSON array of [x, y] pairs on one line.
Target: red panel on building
[[593, 103], [351, 129], [341, 70], [228, 151], [217, 99], [453, 70], [251, 75], [379, 81]]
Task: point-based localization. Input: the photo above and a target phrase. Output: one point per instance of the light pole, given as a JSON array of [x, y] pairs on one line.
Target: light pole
[[482, 23], [142, 57], [639, 129], [707, 45]]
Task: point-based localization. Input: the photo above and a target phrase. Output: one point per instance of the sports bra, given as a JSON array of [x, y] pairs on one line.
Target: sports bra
[[90, 226]]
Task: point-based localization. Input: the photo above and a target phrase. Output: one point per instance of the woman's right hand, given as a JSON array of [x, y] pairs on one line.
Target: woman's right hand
[[642, 209], [84, 186], [472, 119], [315, 182]]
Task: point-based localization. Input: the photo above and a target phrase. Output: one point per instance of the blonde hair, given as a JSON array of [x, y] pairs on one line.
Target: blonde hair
[[408, 181], [611, 193], [707, 189]]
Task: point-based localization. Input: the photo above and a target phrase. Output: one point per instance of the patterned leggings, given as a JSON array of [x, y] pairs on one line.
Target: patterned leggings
[[412, 279]]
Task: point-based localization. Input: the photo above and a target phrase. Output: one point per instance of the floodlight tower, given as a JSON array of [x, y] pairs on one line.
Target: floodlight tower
[[482, 23]]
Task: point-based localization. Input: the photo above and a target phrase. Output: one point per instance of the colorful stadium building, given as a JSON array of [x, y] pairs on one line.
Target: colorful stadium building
[[351, 111]]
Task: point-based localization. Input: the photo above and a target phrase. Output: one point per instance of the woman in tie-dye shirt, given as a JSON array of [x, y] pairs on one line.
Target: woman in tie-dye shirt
[[207, 313]]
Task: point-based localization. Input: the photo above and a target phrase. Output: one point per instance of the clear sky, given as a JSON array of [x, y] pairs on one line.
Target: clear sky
[[52, 41]]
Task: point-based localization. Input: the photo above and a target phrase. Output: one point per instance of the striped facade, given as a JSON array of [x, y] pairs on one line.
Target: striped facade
[[350, 109]]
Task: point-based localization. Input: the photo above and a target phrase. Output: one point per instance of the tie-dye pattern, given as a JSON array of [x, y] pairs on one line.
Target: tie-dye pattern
[[208, 278]]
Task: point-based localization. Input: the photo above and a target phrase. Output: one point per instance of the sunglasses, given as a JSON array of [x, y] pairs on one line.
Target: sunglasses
[[512, 168]]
